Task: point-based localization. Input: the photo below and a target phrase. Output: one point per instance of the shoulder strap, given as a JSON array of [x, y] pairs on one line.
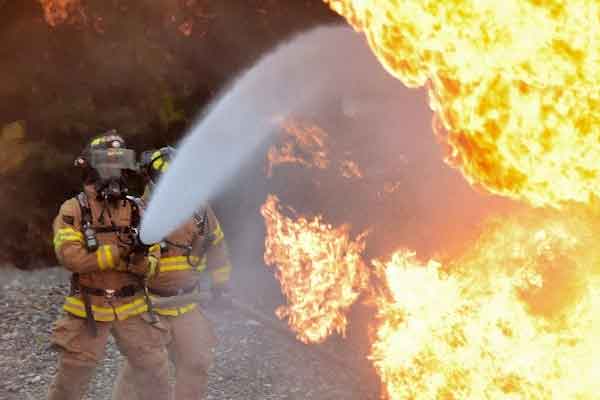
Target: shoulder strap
[[86, 211], [136, 204], [201, 220]]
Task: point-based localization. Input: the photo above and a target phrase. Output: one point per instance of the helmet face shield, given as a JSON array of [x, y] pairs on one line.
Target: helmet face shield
[[110, 163]]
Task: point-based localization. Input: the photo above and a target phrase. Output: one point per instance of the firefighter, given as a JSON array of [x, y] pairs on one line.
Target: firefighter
[[194, 249], [95, 238]]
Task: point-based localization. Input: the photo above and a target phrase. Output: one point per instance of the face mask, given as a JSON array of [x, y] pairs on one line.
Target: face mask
[[111, 189], [109, 165]]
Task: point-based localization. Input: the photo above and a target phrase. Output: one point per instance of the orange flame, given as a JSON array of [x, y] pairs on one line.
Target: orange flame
[[514, 84], [57, 12], [319, 268], [350, 169], [303, 144], [514, 317]]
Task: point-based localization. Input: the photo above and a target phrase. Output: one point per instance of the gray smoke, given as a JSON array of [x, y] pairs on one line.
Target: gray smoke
[[317, 68]]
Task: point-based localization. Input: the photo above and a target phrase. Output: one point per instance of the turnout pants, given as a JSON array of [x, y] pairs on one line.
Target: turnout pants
[[191, 344], [140, 342]]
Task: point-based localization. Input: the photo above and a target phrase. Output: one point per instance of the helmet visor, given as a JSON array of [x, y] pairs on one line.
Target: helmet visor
[[110, 163]]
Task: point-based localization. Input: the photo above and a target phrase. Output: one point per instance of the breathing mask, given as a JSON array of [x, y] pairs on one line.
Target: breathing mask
[[109, 165]]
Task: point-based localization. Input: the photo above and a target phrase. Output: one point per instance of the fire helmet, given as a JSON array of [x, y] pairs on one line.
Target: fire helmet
[[153, 163], [106, 157]]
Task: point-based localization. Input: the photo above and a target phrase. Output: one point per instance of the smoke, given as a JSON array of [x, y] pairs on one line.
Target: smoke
[[298, 77]]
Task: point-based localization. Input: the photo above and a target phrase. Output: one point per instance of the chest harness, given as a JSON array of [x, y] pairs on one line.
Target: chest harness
[[125, 235]]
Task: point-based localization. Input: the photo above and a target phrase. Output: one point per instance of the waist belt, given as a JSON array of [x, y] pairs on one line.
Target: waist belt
[[171, 292], [125, 291]]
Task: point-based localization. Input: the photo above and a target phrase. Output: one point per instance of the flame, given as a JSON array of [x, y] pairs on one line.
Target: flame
[[514, 84], [350, 169], [320, 270], [514, 317], [57, 12], [303, 143]]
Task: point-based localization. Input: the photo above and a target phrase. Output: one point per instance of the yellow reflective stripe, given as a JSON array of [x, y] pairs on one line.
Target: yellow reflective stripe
[[109, 257], [66, 235], [177, 260], [219, 235], [60, 240], [63, 238], [75, 306], [221, 274], [175, 267], [100, 257], [128, 306], [174, 312], [69, 231], [176, 263], [139, 309]]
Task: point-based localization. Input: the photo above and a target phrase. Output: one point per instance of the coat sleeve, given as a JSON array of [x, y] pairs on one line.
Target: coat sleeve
[[218, 261], [69, 243]]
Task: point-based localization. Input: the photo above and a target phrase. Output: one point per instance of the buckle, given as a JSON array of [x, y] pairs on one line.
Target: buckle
[[109, 293]]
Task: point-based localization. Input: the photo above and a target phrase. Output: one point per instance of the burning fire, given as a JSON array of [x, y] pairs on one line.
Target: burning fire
[[320, 270], [57, 12], [350, 169], [514, 84], [514, 317], [306, 144], [302, 143]]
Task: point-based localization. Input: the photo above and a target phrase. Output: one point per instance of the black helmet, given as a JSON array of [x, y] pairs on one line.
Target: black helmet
[[104, 161], [106, 157], [153, 163]]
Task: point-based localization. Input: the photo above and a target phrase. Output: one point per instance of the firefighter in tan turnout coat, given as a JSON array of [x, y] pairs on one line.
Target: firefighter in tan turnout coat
[[94, 239], [195, 248]]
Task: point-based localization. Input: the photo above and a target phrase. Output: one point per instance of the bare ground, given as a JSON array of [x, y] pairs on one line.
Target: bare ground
[[256, 359]]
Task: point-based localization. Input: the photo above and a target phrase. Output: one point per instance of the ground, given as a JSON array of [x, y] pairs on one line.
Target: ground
[[256, 359]]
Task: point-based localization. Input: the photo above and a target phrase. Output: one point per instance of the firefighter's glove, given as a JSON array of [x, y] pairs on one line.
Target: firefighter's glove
[[146, 265], [153, 258]]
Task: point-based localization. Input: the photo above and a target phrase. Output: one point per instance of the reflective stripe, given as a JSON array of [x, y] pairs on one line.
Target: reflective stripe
[[219, 235], [177, 260], [69, 231], [174, 312], [221, 274], [100, 257], [66, 235], [75, 306], [136, 307], [177, 263], [109, 257], [59, 241], [176, 267]]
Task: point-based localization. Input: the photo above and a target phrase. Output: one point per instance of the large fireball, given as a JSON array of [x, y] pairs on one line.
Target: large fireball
[[513, 82]]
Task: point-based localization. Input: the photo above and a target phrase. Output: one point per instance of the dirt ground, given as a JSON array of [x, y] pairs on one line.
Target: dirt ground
[[256, 358]]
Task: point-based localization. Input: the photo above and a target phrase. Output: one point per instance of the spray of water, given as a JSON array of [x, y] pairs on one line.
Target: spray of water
[[316, 69]]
